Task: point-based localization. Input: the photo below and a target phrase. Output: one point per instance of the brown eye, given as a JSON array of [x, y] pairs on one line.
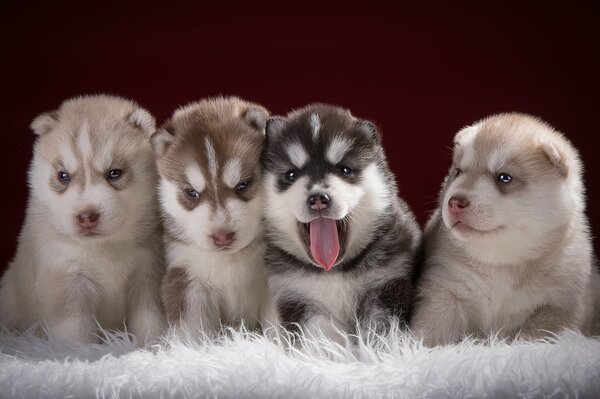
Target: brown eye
[[63, 177], [343, 169]]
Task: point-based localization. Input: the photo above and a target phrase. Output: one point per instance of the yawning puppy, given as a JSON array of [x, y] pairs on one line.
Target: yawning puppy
[[90, 251], [210, 193], [508, 249], [341, 244]]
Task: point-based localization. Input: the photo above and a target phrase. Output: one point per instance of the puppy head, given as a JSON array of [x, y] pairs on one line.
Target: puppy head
[[323, 171], [513, 186], [93, 168], [210, 173]]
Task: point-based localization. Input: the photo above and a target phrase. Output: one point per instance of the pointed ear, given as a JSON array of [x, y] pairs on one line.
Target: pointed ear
[[142, 119], [556, 157], [161, 140], [274, 126], [256, 117], [369, 129], [44, 123]]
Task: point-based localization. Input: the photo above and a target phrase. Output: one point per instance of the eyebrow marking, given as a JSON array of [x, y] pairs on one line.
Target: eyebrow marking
[[195, 178], [338, 148], [297, 154], [232, 172]]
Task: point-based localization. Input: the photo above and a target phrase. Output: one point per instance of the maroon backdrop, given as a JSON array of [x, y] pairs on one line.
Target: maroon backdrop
[[419, 72]]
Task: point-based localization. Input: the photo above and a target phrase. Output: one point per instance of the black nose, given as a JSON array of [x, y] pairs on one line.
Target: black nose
[[318, 201]]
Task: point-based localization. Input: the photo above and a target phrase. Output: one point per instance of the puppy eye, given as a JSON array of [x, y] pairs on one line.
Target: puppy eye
[[114, 174], [504, 178], [343, 169], [457, 172], [191, 193], [291, 175], [241, 186], [63, 177]]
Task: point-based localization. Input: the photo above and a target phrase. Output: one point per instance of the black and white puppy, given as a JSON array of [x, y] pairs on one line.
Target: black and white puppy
[[341, 244]]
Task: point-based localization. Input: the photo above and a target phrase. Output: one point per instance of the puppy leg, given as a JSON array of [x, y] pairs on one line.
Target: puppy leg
[[385, 303], [547, 320], [440, 318], [68, 301], [191, 305], [144, 316]]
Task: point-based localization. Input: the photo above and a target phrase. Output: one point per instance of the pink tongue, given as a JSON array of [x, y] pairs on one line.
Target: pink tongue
[[324, 242]]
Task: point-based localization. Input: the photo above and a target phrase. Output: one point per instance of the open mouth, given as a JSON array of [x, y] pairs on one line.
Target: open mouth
[[324, 240]]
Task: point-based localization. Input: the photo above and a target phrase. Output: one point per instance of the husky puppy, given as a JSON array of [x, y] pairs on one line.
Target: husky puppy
[[341, 244], [89, 253], [210, 191], [508, 250]]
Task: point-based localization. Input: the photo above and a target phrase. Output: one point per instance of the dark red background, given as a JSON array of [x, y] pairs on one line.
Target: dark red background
[[419, 72]]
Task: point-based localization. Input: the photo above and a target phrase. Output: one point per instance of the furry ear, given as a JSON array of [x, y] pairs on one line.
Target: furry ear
[[141, 119], [256, 117], [44, 123], [369, 129], [556, 157], [161, 140], [274, 126]]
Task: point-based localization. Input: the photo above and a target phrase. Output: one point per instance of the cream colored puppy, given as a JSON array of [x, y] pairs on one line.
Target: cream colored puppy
[[89, 253], [508, 250]]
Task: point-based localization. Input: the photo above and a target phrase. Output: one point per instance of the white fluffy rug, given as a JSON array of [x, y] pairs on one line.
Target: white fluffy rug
[[248, 365]]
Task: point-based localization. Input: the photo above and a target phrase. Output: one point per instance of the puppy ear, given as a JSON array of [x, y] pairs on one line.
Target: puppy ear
[[161, 140], [256, 117], [44, 123], [274, 126], [556, 157], [142, 119], [369, 129]]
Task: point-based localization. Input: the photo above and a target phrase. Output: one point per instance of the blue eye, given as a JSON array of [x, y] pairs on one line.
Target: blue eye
[[344, 170], [291, 175], [191, 193], [504, 178], [63, 176], [241, 186], [114, 174]]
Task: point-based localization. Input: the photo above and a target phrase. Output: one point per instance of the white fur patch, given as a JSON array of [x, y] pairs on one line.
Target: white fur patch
[[84, 144], [465, 139], [338, 148], [297, 155], [211, 155], [195, 178], [232, 172], [315, 125]]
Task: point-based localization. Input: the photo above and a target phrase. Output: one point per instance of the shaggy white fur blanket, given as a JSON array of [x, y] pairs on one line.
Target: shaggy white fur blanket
[[243, 364]]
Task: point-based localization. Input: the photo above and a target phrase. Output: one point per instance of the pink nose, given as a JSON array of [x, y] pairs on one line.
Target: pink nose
[[458, 204], [87, 220], [223, 239]]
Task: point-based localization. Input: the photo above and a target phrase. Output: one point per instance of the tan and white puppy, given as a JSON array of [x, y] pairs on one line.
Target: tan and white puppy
[[508, 250], [210, 191], [90, 250]]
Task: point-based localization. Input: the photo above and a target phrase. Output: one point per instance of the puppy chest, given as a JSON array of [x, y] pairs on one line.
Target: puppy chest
[[506, 306], [333, 294]]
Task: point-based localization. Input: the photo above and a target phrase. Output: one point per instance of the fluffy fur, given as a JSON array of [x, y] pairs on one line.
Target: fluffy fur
[[89, 253], [508, 249], [245, 365], [322, 165], [210, 191]]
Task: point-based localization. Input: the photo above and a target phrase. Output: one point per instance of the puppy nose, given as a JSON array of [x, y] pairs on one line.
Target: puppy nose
[[223, 238], [457, 204], [318, 201], [88, 219]]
